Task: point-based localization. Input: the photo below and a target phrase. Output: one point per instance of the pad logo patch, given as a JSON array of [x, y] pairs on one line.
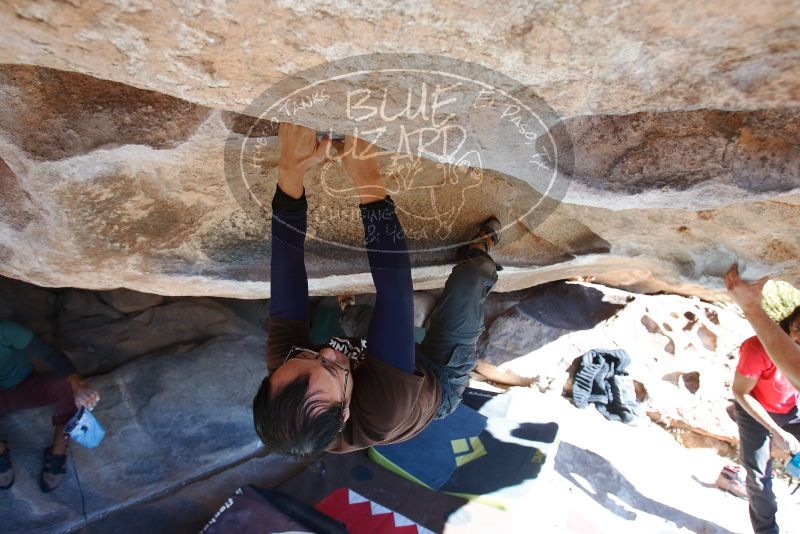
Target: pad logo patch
[[467, 450]]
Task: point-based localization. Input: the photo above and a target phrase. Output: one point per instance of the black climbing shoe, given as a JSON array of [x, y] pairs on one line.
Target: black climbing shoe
[[53, 471], [489, 233], [6, 469], [345, 301], [487, 238]]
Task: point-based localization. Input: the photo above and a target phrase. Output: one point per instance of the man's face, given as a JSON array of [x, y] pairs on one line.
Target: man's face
[[794, 331], [325, 380]]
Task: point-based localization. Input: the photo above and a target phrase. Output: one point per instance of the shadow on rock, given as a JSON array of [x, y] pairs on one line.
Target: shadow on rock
[[547, 312], [102, 330], [568, 306], [609, 485]]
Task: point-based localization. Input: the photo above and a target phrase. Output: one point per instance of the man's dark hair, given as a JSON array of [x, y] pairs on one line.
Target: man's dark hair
[[786, 323], [289, 424]]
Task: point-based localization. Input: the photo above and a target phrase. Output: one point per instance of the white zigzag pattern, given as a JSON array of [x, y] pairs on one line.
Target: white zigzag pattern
[[377, 509], [355, 498]]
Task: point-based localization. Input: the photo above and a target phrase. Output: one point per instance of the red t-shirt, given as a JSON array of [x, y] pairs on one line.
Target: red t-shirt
[[772, 390]]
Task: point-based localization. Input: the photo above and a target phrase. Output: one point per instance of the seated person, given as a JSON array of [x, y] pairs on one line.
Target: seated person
[[21, 387]]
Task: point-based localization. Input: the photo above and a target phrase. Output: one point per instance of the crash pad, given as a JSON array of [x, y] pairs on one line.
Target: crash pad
[[253, 510], [495, 458], [365, 516], [357, 473]]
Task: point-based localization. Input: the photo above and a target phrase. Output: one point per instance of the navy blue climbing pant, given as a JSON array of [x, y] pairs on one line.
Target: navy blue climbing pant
[[449, 348]]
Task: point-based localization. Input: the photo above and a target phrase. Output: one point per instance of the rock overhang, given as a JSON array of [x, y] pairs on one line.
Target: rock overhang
[[110, 184]]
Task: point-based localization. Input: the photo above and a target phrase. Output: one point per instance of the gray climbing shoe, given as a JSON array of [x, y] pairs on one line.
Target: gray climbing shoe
[[53, 470], [345, 301], [487, 238], [489, 233], [6, 469]]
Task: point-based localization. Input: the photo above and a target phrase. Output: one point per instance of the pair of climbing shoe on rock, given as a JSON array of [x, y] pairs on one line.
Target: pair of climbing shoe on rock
[[54, 466]]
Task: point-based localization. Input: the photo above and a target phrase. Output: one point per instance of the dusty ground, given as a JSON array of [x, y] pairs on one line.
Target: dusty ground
[[607, 477], [615, 478]]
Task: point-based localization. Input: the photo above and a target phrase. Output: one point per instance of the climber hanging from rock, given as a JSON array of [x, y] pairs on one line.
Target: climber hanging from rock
[[351, 394]]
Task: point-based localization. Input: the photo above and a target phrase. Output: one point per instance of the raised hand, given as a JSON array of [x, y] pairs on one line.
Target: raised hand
[[300, 150], [746, 295], [84, 395], [360, 159]]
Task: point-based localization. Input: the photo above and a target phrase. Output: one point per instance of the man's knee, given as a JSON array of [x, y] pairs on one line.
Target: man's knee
[[477, 272], [755, 466], [56, 389], [59, 392], [473, 277]]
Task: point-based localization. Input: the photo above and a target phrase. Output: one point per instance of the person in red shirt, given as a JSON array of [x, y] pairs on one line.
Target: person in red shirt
[[766, 407], [783, 349]]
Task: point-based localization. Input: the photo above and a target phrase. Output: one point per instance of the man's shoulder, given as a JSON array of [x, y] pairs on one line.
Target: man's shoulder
[[380, 387], [282, 334], [14, 334], [383, 370], [752, 348], [279, 325], [753, 359]]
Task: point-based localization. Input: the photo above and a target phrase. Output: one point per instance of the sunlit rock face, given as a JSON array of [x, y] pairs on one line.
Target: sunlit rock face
[[582, 58], [114, 122]]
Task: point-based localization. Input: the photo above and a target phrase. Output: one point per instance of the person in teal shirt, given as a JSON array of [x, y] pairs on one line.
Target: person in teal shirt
[[22, 387]]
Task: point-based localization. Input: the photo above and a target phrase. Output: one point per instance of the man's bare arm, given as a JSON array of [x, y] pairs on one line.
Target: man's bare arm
[[781, 348]]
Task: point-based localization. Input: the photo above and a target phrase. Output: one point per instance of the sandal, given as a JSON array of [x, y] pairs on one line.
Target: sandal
[[731, 479], [53, 471]]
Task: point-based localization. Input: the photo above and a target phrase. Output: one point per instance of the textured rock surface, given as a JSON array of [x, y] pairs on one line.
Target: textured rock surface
[[169, 419], [594, 57], [683, 353], [113, 124], [100, 195], [99, 338]]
